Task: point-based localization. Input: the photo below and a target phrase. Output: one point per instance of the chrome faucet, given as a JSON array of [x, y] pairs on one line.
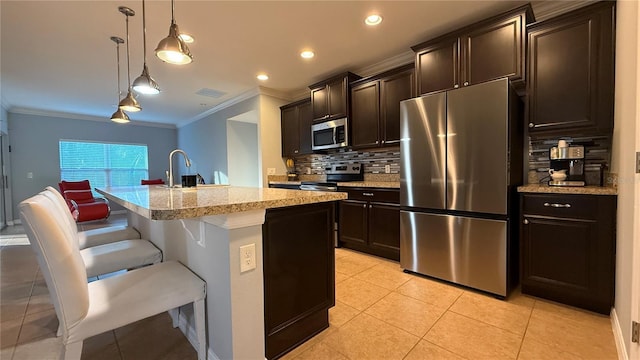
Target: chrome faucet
[[187, 162]]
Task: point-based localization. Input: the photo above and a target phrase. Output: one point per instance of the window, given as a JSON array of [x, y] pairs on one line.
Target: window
[[103, 164]]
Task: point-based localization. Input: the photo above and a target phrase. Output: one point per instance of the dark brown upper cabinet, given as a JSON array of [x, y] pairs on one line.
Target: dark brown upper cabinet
[[375, 107], [330, 99], [296, 128], [571, 73], [484, 51]]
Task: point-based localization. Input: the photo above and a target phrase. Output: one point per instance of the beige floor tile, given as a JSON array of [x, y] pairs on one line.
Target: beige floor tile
[[39, 325], [341, 313], [385, 276], [473, 339], [409, 314], [153, 338], [341, 252], [359, 294], [40, 299], [353, 264], [101, 347], [14, 300], [583, 334], [309, 343], [321, 351], [7, 353], [366, 337], [340, 277], [47, 348], [584, 317], [534, 350], [426, 350], [503, 314], [430, 291], [9, 331]]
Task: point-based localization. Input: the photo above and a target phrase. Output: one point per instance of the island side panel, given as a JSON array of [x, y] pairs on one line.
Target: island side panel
[[299, 274], [209, 246]]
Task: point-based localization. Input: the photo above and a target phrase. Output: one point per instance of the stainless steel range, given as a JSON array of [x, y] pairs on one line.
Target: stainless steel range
[[335, 173]]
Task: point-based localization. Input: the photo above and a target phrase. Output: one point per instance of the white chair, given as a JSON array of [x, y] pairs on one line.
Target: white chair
[[95, 237], [87, 309], [109, 256]]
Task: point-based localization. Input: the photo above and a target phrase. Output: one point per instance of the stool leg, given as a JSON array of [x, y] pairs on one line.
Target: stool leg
[[198, 314]]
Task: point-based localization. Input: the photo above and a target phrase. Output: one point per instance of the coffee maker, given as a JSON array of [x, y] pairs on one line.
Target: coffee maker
[[570, 161]]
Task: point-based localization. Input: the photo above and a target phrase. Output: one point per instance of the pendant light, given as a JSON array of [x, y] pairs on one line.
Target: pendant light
[[173, 49], [119, 116], [145, 84], [129, 103]]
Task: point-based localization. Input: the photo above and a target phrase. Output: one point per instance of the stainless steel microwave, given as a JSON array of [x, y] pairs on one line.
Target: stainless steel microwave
[[330, 134]]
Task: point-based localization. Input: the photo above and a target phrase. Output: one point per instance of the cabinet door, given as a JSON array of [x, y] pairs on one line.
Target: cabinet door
[[305, 119], [494, 51], [290, 132], [365, 115], [393, 90], [320, 103], [384, 228], [570, 76], [337, 98], [437, 66], [353, 222]]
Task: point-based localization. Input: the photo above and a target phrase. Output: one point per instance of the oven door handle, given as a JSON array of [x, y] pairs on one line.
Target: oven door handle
[[334, 134]]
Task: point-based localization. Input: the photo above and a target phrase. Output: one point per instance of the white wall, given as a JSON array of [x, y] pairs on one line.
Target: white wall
[[243, 153], [270, 137], [623, 159]]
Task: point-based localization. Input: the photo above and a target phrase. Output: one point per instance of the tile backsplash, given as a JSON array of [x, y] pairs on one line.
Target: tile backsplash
[[373, 161], [597, 158]]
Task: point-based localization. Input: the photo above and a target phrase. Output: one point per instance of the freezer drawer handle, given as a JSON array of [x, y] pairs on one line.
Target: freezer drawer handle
[[367, 194], [526, 222], [557, 205]]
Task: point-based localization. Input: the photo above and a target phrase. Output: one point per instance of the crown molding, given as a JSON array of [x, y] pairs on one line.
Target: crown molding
[[386, 64], [544, 10], [63, 115], [275, 93], [223, 105]]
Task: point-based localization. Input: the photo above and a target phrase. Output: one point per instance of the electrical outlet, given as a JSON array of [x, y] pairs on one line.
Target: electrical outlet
[[387, 169], [271, 171], [247, 257], [29, 175]]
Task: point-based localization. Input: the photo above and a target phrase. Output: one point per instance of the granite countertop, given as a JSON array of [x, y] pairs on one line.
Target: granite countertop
[[371, 184], [588, 190], [157, 202]]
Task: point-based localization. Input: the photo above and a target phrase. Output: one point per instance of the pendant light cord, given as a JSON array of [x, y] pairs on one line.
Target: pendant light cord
[[118, 62], [128, 68], [144, 35]]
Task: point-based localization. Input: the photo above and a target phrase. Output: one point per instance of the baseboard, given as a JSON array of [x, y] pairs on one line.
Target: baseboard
[[14, 222], [617, 336]]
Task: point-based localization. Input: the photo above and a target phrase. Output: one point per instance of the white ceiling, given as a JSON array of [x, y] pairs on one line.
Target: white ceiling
[[56, 56]]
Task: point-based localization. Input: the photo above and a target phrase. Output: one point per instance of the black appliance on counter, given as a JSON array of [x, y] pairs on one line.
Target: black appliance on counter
[[570, 160]]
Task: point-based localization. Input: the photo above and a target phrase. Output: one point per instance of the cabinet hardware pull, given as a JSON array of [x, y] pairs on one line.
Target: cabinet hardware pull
[[295, 151], [532, 125], [376, 142], [557, 205], [364, 206], [326, 116], [526, 222], [456, 86], [383, 141], [466, 83], [367, 194]]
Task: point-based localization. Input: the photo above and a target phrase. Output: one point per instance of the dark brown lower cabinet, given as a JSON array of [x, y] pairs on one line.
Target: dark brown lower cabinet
[[568, 249], [370, 221], [299, 274]]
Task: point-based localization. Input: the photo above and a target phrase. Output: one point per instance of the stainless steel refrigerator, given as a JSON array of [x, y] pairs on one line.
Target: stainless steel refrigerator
[[460, 164]]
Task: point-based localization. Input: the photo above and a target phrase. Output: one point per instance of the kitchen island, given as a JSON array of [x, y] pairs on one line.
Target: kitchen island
[[211, 229]]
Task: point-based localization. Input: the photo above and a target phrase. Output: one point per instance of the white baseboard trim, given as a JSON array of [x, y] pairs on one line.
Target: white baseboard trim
[[617, 336], [14, 222], [118, 212], [190, 333]]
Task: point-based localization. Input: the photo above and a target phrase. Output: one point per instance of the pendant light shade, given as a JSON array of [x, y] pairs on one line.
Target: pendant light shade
[[173, 49], [119, 116], [145, 84], [129, 103]]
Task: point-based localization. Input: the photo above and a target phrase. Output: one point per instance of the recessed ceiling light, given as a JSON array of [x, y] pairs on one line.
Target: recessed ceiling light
[[373, 20], [187, 38], [263, 77], [307, 54]]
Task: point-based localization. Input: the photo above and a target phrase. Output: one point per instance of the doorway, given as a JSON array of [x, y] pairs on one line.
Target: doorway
[[243, 157]]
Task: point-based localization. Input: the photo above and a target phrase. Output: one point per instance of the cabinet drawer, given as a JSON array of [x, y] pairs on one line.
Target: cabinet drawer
[[561, 206], [374, 195]]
